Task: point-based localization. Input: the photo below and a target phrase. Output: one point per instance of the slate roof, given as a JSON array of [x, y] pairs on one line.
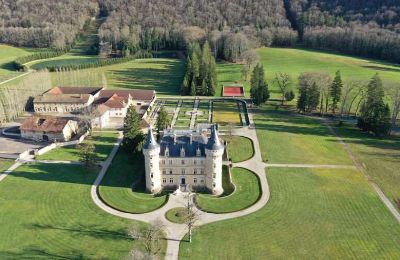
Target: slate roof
[[151, 142], [44, 124], [213, 142]]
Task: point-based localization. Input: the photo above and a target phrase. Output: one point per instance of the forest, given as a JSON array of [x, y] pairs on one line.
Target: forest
[[368, 28]]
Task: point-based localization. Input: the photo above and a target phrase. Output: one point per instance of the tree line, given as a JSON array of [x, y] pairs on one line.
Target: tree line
[[44, 23]]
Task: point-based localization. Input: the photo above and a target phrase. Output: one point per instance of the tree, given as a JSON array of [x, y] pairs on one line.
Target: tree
[[249, 59], [133, 135], [289, 95], [309, 94], [87, 154], [191, 217], [150, 237], [375, 114], [394, 94], [336, 91], [283, 81], [162, 120], [259, 88]]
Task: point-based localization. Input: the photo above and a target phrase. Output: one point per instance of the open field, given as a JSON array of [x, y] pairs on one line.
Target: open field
[[286, 137], [7, 55], [226, 113], [296, 61], [162, 75], [312, 214], [239, 148], [116, 187], [380, 157], [47, 212], [103, 142], [246, 193], [5, 164]]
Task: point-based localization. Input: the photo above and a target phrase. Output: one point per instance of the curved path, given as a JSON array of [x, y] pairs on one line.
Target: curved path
[[176, 232]]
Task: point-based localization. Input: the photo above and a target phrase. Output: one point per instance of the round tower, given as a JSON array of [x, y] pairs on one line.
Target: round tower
[[151, 152], [213, 167]]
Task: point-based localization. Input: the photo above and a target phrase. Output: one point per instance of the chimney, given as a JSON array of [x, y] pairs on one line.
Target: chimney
[[191, 139]]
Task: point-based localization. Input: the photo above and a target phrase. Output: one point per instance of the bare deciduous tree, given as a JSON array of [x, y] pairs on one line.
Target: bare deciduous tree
[[283, 81], [150, 237]]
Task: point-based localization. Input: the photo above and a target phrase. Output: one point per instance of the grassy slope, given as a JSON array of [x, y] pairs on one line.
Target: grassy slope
[[296, 61], [163, 75], [381, 158], [116, 191], [5, 164], [103, 142], [246, 194], [240, 148], [47, 212], [312, 214], [7, 55], [288, 138]]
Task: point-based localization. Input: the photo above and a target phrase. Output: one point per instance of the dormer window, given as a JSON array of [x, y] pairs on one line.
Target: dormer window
[[166, 151], [182, 152], [198, 152]]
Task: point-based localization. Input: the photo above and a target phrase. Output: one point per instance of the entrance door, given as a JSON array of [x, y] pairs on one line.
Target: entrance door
[[45, 138], [183, 181]]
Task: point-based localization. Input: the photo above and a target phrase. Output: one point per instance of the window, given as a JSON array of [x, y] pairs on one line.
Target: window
[[183, 162], [195, 171], [151, 157], [202, 171], [170, 162], [151, 165], [164, 171], [163, 162], [171, 180], [183, 171], [151, 175], [213, 184], [202, 181], [215, 166], [170, 171], [195, 162], [164, 180], [167, 154], [194, 180], [214, 175], [152, 184]]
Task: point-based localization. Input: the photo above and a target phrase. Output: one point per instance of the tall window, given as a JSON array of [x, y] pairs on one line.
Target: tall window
[[183, 171], [195, 180], [164, 180], [171, 180], [183, 162]]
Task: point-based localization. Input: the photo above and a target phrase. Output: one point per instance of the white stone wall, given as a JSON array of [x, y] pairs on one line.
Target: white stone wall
[[102, 121], [213, 169], [152, 169]]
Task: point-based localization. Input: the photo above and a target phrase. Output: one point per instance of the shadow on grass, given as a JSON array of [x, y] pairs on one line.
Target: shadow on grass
[[39, 253]]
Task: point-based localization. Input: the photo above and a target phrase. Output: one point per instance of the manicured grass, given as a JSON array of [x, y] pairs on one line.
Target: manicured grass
[[312, 214], [296, 61], [176, 215], [7, 55], [116, 187], [225, 113], [380, 156], [5, 164], [162, 75], [239, 148], [103, 142], [47, 213], [286, 137], [247, 192]]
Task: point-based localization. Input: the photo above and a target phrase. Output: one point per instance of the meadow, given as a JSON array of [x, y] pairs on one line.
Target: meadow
[[7, 55], [103, 142], [296, 61], [47, 212], [312, 214], [116, 190]]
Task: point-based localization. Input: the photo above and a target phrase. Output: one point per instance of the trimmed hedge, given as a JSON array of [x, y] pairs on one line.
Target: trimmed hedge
[[98, 63], [19, 62]]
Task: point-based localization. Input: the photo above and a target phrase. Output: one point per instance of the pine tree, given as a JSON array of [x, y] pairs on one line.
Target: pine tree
[[162, 120], [375, 114], [336, 91], [133, 135], [259, 88], [193, 89]]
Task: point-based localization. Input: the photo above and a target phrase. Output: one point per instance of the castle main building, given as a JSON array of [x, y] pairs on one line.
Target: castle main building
[[184, 158]]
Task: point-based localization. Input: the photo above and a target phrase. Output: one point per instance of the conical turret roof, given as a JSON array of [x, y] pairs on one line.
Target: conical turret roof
[[151, 142], [213, 142]]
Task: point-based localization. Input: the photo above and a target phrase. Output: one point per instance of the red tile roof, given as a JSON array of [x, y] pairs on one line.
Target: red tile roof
[[62, 98], [136, 94], [44, 124], [74, 90]]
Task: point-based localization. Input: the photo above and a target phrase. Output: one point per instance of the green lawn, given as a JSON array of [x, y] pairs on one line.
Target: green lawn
[[64, 60], [47, 213], [162, 75], [286, 137], [7, 55], [116, 187], [103, 142], [312, 214], [296, 61], [5, 164], [240, 148], [226, 113], [381, 158], [246, 193], [176, 215]]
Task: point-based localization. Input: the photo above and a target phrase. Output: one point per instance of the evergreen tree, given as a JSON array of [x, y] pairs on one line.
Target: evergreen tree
[[133, 135], [193, 89], [313, 97], [259, 88], [375, 114], [87, 154], [162, 120], [336, 91]]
